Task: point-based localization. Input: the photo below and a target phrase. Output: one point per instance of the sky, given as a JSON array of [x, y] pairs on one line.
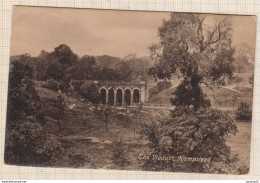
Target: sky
[[98, 32]]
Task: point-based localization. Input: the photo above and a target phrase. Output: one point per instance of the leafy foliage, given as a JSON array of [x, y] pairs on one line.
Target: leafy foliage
[[244, 112], [119, 154], [78, 159], [51, 84], [24, 143], [185, 96], [55, 71], [190, 134], [187, 44], [65, 55], [90, 92], [22, 98], [25, 118]]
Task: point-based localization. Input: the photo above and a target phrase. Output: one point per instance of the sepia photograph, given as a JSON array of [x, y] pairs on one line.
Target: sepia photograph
[[130, 90]]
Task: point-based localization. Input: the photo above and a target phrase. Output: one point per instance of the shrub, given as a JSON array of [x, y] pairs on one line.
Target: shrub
[[190, 134], [25, 143], [64, 85], [244, 112], [52, 150], [78, 158], [90, 92], [52, 85], [23, 99], [119, 154]]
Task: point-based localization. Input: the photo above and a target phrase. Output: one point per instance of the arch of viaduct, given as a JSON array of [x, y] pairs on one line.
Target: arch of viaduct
[[122, 93]]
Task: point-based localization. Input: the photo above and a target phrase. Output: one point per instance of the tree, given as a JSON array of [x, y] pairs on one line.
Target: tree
[[126, 67], [90, 92], [87, 65], [25, 118], [22, 98], [65, 55], [191, 135], [55, 71], [199, 49]]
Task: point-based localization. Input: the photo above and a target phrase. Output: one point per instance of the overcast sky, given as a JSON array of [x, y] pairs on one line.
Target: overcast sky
[[98, 32]]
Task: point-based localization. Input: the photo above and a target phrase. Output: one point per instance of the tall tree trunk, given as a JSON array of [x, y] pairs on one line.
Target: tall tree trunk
[[195, 80], [197, 97]]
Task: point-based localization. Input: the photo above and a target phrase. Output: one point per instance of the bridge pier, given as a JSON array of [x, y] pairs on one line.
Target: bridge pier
[[115, 92], [106, 97], [123, 98], [132, 98]]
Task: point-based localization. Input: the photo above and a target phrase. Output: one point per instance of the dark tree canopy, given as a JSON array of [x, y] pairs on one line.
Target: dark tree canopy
[[65, 55], [199, 47]]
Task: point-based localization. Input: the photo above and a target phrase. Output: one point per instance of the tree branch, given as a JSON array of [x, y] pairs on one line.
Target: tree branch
[[210, 40], [200, 33]]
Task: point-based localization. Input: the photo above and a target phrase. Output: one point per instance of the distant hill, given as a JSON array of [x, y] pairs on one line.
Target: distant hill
[[108, 61]]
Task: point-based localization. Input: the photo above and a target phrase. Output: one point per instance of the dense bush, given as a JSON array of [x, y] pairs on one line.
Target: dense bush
[[90, 92], [64, 86], [55, 71], [23, 143], [52, 150], [119, 157], [25, 133], [244, 112], [22, 98], [190, 134], [78, 158]]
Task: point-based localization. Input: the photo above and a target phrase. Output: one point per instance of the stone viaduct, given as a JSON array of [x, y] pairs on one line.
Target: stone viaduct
[[122, 93]]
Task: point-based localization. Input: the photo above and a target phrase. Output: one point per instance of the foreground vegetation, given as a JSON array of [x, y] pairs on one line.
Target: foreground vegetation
[[53, 120], [72, 133]]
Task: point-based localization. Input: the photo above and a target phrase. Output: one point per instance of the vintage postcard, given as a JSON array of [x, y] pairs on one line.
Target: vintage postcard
[[130, 90]]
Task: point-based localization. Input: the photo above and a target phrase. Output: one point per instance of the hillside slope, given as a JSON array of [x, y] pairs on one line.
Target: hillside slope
[[221, 97]]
